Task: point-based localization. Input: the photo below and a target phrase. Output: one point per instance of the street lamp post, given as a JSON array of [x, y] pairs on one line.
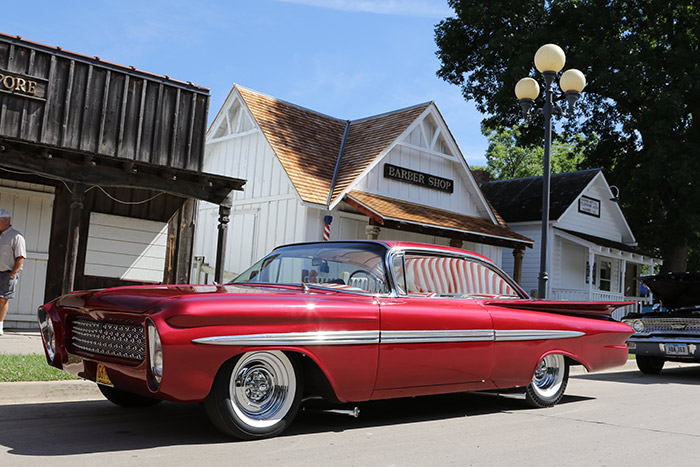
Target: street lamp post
[[549, 60]]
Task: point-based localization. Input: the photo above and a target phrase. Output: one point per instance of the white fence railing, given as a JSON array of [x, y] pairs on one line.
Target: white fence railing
[[599, 296]]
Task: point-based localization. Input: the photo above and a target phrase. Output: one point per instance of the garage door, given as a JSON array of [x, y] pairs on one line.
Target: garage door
[[31, 207]]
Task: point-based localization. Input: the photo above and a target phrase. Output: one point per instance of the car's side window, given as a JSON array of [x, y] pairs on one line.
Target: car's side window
[[453, 277]]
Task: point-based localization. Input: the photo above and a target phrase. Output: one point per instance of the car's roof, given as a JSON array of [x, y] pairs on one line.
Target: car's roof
[[403, 246]]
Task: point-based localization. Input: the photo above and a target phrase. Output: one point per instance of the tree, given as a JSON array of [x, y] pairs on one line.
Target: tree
[[506, 159], [641, 58]]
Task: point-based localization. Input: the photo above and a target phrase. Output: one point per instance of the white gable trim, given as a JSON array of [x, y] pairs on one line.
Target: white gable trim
[[234, 96], [616, 211], [441, 129]]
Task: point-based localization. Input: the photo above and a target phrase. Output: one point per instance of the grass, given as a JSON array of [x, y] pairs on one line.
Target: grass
[[32, 367]]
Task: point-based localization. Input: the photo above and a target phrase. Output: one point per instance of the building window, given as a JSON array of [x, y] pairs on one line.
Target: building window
[[605, 274]]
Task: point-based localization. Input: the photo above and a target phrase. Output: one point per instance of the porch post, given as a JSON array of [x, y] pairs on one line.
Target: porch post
[[624, 278], [518, 254], [591, 265], [372, 231], [224, 213], [76, 212]]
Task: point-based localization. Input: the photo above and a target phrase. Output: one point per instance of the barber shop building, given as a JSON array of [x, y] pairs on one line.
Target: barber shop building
[[311, 177]]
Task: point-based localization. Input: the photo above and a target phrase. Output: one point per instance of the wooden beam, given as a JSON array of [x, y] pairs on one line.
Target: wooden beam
[[90, 169]]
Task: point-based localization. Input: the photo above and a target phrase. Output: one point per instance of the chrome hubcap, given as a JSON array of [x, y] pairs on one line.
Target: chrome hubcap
[[262, 388], [549, 375]]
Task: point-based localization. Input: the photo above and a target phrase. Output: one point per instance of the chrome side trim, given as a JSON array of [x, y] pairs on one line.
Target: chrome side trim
[[535, 335], [296, 338], [387, 337], [417, 337]]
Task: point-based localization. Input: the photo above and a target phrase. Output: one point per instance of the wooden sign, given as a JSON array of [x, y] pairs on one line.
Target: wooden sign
[[590, 206], [418, 178]]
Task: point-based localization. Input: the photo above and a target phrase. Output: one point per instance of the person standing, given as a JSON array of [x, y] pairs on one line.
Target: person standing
[[12, 253]]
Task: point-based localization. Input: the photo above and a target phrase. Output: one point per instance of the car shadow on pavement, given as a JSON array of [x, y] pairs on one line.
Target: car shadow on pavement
[[67, 428], [70, 428], [671, 374], [412, 410]]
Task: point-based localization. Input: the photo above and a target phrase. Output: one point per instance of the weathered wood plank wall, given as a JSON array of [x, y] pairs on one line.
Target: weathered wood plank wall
[[69, 101]]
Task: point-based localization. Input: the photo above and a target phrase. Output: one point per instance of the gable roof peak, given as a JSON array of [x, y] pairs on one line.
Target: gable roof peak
[[391, 112], [282, 101]]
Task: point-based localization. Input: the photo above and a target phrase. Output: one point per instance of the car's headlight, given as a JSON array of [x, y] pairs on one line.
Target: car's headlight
[[155, 354], [47, 332], [636, 324]]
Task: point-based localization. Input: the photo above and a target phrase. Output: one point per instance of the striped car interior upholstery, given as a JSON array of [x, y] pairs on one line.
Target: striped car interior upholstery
[[428, 275]]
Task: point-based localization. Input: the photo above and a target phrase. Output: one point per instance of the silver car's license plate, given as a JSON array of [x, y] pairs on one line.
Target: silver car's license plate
[[676, 349]]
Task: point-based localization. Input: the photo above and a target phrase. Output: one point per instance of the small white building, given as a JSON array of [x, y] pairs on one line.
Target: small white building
[[586, 227], [397, 176]]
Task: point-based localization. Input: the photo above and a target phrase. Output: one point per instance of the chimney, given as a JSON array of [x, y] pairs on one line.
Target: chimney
[[481, 176]]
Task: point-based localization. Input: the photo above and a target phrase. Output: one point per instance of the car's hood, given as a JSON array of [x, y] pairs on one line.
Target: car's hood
[[139, 299], [675, 290]]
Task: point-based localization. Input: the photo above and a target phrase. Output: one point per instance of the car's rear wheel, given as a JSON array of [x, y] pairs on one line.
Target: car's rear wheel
[[256, 395], [650, 365], [125, 398], [549, 382]]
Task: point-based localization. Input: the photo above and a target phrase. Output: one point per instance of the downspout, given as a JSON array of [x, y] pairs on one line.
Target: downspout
[[337, 163]]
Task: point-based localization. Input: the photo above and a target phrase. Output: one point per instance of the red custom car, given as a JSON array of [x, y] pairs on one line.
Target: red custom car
[[344, 321]]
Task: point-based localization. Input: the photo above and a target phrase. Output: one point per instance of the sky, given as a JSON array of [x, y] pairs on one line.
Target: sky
[[348, 59]]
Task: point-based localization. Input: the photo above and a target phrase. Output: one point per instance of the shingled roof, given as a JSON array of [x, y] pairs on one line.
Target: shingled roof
[[307, 143], [384, 210], [520, 199]]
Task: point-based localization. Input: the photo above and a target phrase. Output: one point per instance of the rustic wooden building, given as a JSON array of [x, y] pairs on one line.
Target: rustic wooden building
[[100, 165]]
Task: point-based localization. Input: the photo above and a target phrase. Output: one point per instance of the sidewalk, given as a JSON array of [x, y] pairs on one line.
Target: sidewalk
[[40, 392], [21, 342]]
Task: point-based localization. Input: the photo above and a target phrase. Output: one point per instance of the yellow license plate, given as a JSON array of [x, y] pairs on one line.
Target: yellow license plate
[[102, 377]]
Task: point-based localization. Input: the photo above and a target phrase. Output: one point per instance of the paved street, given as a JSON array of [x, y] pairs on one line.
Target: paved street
[[614, 418]]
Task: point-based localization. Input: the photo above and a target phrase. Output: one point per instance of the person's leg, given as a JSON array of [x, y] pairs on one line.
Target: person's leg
[[4, 305]]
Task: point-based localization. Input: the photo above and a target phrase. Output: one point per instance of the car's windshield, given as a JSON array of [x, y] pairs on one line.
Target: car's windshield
[[357, 267]]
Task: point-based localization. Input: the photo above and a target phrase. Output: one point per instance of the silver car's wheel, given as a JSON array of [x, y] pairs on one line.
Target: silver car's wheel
[[549, 382], [256, 396]]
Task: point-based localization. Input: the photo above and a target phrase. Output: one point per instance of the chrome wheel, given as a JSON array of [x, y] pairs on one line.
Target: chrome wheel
[[256, 395], [262, 388], [549, 382]]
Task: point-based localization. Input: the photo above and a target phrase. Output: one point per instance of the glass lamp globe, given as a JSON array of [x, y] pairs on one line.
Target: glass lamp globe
[[572, 80], [550, 57], [527, 88]]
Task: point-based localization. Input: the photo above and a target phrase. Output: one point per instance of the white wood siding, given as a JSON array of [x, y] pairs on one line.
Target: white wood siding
[[254, 229], [267, 213], [531, 258], [31, 207], [571, 259], [607, 226], [126, 248], [461, 200]]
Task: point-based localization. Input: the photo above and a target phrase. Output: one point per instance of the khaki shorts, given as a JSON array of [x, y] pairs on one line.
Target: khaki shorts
[[7, 285]]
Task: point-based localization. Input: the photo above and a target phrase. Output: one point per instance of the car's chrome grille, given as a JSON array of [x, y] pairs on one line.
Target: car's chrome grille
[[671, 325], [111, 339]]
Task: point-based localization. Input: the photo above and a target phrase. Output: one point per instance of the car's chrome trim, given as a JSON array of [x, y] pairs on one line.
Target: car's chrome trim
[[534, 335], [296, 338], [387, 337], [416, 337]]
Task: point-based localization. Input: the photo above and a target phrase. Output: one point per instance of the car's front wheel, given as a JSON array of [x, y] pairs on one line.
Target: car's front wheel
[[256, 395], [549, 382], [125, 398], [650, 365]]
